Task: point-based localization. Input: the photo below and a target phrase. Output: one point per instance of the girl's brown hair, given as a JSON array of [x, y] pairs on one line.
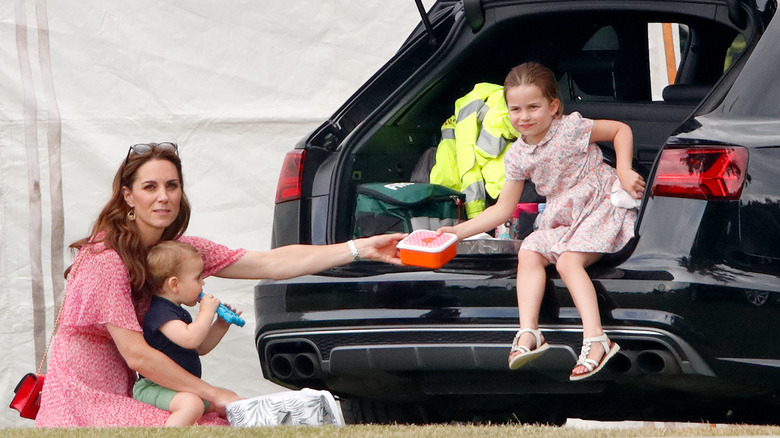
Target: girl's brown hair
[[533, 73], [120, 233], [166, 259]]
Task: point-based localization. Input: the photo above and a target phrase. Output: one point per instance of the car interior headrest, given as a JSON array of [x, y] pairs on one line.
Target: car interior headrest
[[685, 93], [592, 72]]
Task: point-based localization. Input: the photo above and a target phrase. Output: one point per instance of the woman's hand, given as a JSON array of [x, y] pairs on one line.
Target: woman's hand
[[222, 397], [381, 248], [632, 182]]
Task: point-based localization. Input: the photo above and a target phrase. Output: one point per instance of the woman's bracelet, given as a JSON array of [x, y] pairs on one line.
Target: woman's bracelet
[[353, 249]]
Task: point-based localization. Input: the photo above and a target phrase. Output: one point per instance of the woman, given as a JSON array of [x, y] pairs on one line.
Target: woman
[[99, 345]]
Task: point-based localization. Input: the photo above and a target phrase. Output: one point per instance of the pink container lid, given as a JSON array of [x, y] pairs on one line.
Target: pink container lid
[[526, 207], [427, 241]]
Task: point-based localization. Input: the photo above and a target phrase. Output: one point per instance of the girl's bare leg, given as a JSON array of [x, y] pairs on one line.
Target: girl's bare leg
[[531, 278], [571, 267]]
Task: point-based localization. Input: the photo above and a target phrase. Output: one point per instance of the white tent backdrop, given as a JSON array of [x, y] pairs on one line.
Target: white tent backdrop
[[235, 83]]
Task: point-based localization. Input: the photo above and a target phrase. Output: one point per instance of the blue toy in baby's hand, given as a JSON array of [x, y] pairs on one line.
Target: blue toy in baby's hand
[[227, 314]]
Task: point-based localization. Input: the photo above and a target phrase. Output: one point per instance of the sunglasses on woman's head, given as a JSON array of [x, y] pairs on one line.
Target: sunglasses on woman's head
[[145, 148]]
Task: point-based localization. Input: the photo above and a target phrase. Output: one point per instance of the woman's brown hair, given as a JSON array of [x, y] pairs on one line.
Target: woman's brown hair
[[533, 73], [118, 232]]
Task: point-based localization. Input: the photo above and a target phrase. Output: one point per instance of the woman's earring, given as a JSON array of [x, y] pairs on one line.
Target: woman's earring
[[131, 214]]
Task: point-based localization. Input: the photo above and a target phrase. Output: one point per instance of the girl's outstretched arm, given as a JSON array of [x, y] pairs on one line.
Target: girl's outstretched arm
[[623, 141], [492, 216]]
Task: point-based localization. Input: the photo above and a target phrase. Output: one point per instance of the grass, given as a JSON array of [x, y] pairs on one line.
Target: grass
[[399, 431]]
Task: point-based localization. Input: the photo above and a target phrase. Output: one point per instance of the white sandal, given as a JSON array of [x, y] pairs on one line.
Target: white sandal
[[593, 367], [525, 354]]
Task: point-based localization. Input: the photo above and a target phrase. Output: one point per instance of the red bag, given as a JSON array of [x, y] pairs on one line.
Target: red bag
[[28, 395]]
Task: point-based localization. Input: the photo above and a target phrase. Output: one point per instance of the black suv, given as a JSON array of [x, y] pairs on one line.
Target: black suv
[[692, 300]]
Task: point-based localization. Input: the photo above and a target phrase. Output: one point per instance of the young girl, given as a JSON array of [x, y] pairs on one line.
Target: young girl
[[558, 153]]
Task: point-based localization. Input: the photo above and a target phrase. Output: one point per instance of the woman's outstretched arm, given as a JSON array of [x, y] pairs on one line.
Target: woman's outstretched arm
[[295, 260]]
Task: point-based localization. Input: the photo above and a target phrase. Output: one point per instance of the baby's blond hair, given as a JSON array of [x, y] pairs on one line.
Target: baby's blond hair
[[165, 260]]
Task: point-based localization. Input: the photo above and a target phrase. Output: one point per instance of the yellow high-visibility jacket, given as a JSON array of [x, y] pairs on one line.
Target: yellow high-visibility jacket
[[470, 156]]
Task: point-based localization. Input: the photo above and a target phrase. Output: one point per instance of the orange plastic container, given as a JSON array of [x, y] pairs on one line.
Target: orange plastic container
[[428, 249]]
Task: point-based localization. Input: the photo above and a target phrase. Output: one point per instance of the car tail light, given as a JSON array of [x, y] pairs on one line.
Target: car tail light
[[709, 172], [289, 186]]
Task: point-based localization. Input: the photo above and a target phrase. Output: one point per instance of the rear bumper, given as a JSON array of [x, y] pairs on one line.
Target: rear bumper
[[333, 357], [424, 335]]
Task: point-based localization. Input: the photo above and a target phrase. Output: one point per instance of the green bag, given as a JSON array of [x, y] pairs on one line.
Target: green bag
[[405, 207]]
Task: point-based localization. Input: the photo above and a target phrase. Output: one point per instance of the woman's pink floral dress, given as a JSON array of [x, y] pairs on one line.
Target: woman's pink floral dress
[[88, 383], [570, 172]]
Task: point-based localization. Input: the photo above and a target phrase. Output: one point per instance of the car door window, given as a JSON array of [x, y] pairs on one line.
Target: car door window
[[590, 75], [635, 63], [666, 43], [611, 66]]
